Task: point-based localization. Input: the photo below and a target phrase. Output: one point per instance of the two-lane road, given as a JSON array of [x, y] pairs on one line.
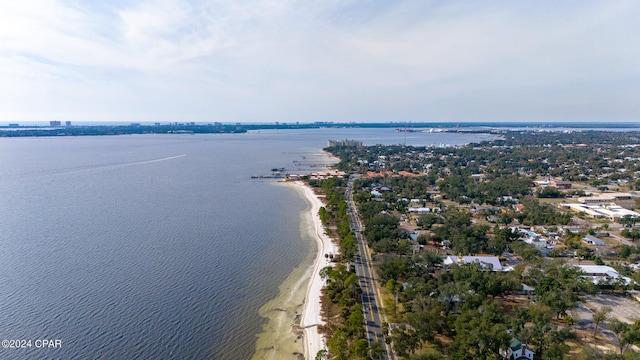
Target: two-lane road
[[370, 301]]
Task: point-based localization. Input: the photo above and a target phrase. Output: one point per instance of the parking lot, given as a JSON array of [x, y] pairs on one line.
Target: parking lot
[[624, 309]]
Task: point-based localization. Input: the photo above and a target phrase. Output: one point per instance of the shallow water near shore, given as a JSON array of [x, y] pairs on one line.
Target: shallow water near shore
[[280, 337]]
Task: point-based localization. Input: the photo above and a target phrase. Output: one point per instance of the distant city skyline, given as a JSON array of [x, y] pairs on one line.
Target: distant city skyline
[[340, 61]]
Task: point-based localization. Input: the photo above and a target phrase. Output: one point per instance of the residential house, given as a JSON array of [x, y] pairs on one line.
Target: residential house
[[560, 184], [517, 350], [592, 240], [492, 262]]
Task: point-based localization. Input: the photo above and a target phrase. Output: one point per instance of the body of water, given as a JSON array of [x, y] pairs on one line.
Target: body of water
[[153, 246]]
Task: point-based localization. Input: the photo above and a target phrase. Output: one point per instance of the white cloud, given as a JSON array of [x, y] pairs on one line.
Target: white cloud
[[293, 60]]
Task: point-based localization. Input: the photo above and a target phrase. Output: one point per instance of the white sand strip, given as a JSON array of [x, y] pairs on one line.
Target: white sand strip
[[311, 316]]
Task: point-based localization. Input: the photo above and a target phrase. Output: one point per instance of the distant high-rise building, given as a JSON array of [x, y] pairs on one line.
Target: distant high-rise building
[[345, 142], [55, 123], [67, 123]]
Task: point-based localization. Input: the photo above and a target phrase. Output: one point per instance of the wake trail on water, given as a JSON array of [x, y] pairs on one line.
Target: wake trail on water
[[155, 160], [93, 167]]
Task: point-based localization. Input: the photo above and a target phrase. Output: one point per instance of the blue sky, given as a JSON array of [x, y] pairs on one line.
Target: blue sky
[[329, 60]]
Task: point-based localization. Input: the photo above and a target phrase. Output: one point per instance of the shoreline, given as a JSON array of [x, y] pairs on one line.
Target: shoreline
[[311, 314], [291, 321]]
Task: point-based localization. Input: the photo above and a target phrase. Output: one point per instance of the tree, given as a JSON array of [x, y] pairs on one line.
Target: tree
[[429, 356], [557, 286], [526, 251], [600, 316], [323, 215], [393, 269], [427, 221], [631, 234], [543, 334], [339, 346], [505, 217], [480, 333], [360, 348], [628, 220], [593, 353], [376, 350], [501, 238], [549, 192], [321, 355], [626, 334], [404, 340]]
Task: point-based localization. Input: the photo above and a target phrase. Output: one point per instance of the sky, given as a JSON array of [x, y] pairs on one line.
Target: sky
[[327, 60]]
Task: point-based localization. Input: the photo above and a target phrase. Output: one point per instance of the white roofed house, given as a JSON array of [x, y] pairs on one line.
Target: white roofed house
[[477, 178], [604, 275], [492, 262], [419, 210]]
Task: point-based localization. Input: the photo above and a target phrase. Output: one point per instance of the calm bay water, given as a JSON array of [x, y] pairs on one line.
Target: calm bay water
[[153, 246]]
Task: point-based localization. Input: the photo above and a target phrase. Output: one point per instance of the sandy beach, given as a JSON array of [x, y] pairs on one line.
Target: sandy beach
[[311, 316], [293, 316]]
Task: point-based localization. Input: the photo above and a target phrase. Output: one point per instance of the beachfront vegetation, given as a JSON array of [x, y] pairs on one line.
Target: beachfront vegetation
[[334, 215], [347, 339], [342, 306]]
